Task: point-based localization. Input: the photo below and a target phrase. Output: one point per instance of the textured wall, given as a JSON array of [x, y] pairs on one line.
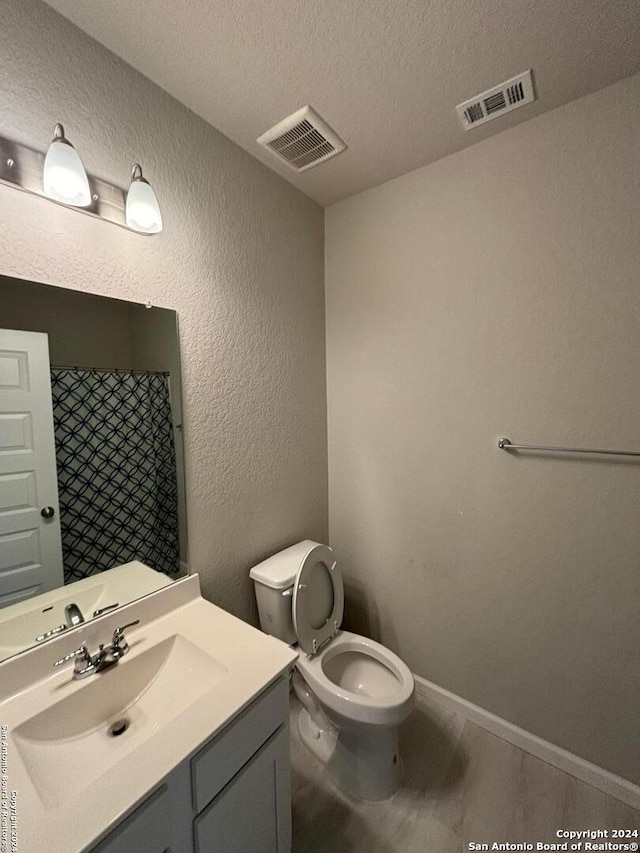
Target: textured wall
[[496, 293], [240, 259]]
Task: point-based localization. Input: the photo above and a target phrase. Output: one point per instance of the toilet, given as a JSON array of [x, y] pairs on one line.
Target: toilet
[[354, 691]]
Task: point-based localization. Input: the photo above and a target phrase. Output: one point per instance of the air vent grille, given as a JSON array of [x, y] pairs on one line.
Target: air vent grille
[[291, 135], [494, 103], [497, 101], [302, 140], [515, 93]]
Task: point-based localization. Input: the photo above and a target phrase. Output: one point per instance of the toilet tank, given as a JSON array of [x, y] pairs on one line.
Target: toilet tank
[[273, 580]]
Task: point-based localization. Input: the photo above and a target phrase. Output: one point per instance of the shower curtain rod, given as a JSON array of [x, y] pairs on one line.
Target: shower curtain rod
[[111, 370]]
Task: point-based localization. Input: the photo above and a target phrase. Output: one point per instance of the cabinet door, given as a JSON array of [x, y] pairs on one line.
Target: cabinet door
[[163, 823], [252, 814], [147, 830]]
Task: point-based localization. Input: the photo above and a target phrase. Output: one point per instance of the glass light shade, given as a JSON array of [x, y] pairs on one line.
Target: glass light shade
[[142, 208], [64, 178]]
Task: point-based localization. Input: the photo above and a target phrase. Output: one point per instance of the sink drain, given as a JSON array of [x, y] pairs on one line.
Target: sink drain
[[119, 728]]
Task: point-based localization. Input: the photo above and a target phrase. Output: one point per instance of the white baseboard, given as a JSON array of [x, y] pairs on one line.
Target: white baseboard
[[591, 774]]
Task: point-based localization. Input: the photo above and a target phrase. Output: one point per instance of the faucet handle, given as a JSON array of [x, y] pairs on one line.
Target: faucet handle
[[42, 637], [82, 652], [84, 663], [118, 634], [102, 610]]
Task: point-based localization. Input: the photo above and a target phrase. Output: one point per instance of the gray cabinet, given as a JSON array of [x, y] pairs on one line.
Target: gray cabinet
[[148, 830], [232, 796], [252, 813]]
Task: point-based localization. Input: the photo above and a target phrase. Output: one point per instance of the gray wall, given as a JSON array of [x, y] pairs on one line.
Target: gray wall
[[240, 260], [494, 293], [80, 334]]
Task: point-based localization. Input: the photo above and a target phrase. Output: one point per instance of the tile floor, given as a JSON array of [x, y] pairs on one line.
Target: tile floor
[[461, 784]]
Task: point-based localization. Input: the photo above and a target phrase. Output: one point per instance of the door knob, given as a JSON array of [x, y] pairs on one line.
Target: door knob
[[47, 512]]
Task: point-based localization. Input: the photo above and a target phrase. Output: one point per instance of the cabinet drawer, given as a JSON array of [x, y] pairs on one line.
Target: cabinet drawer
[[222, 758], [147, 830]]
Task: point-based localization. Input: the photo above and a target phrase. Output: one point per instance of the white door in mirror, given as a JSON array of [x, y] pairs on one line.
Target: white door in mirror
[[30, 540]]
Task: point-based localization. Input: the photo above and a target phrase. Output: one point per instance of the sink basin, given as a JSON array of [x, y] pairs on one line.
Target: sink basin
[[74, 741]]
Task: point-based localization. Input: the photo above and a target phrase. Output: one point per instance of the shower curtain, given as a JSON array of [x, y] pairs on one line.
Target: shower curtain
[[116, 466]]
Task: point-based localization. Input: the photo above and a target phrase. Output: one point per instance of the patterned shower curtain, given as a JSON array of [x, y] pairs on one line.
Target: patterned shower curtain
[[116, 464]]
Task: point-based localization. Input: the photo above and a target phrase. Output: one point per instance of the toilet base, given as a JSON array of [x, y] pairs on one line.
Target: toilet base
[[315, 730], [321, 741], [364, 761]]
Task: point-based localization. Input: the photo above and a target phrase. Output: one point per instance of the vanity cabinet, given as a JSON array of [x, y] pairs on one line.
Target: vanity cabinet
[[231, 796]]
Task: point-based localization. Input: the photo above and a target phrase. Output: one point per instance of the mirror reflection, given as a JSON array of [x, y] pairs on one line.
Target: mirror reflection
[[91, 459]]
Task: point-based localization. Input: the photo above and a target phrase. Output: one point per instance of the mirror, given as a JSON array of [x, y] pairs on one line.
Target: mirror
[[92, 495]]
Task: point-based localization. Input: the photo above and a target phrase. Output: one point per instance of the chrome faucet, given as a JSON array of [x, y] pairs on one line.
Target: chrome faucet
[[108, 655], [85, 663], [73, 615]]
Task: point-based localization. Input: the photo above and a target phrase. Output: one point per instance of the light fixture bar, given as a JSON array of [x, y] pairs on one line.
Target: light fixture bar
[[21, 168]]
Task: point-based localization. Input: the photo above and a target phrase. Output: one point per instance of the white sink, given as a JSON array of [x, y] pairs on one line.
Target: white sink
[[191, 668], [71, 743]]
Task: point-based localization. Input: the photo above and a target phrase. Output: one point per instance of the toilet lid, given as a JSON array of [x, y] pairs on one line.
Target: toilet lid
[[318, 599]]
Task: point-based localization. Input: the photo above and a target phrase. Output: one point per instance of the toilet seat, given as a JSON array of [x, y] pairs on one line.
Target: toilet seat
[[386, 703], [318, 599]]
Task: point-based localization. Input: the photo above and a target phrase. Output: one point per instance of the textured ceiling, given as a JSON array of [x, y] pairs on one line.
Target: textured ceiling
[[386, 75]]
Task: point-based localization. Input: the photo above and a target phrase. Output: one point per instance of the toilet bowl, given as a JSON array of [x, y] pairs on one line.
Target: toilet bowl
[[354, 691]]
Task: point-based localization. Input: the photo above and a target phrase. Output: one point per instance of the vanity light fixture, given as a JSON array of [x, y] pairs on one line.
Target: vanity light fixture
[[60, 177], [142, 209], [63, 177]]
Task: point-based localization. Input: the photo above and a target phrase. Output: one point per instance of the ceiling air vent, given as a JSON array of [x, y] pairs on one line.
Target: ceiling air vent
[[302, 140], [497, 101]]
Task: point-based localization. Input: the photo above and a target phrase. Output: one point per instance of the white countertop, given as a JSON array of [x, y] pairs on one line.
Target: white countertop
[[29, 684]]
